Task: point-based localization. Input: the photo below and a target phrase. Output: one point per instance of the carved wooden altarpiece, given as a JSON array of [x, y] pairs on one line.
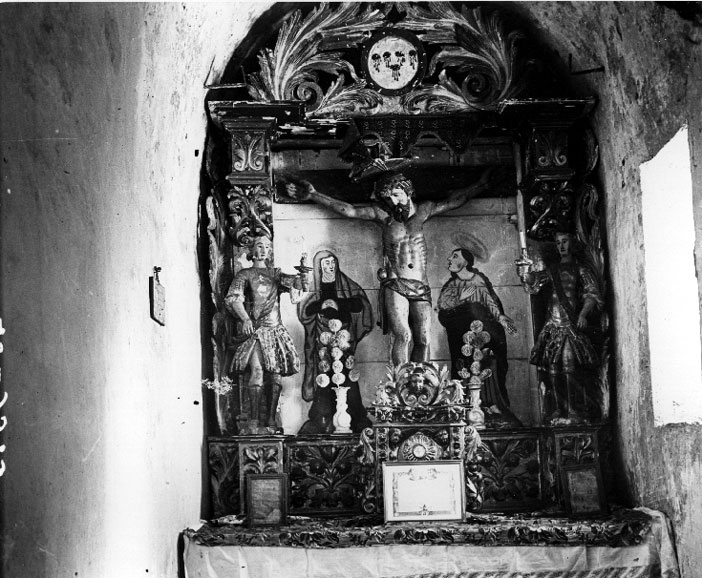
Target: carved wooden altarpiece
[[331, 92]]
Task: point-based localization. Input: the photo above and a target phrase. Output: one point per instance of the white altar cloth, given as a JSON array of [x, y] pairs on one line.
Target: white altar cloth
[[653, 558]]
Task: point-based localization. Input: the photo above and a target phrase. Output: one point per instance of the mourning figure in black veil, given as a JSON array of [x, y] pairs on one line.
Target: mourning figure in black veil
[[333, 296], [468, 296]]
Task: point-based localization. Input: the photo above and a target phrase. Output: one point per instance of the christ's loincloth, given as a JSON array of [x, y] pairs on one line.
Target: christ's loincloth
[[410, 289]]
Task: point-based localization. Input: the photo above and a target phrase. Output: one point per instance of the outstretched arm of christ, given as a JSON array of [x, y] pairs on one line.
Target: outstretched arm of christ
[[305, 191], [459, 197]]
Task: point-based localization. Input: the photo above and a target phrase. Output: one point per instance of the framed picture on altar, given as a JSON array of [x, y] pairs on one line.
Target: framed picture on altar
[[266, 499], [583, 490], [423, 491]]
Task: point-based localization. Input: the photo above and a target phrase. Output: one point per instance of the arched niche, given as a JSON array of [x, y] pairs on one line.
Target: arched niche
[[323, 93]]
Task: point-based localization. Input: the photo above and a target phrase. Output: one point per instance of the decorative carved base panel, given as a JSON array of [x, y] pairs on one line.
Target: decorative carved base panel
[[515, 470], [324, 475], [511, 465], [224, 478], [324, 472]]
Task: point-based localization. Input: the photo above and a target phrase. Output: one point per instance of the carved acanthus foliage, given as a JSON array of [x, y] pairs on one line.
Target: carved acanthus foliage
[[260, 459], [291, 70], [550, 209], [223, 460], [549, 150], [248, 151], [475, 61], [577, 449], [419, 393], [511, 472], [324, 477], [249, 213], [478, 59]]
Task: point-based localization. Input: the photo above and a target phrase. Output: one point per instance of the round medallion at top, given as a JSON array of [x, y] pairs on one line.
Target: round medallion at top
[[394, 61]]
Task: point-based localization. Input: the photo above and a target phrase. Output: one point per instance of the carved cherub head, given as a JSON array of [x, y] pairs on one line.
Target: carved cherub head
[[417, 380]]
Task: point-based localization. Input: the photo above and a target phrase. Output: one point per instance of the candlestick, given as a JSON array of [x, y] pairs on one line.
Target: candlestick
[[521, 218]]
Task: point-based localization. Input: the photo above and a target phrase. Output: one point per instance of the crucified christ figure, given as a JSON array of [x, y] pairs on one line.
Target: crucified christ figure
[[405, 296]]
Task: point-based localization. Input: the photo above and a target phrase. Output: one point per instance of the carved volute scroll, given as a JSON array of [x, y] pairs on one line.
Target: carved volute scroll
[[419, 393], [472, 60]]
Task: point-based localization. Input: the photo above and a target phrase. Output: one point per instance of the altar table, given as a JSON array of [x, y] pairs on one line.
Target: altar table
[[629, 544]]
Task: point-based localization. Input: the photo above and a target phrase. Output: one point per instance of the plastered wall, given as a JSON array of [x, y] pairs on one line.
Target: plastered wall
[[102, 130], [101, 112]]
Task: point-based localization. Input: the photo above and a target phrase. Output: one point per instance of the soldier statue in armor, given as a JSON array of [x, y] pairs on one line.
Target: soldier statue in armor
[[563, 348]]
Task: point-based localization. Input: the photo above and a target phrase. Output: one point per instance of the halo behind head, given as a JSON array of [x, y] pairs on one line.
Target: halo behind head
[[469, 242]]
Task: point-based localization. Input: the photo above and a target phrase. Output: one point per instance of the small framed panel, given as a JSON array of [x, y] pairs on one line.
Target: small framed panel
[[583, 490], [266, 499], [424, 491], [393, 61]]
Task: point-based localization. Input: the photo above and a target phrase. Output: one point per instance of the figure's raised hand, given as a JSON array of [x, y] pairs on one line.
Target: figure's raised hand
[[300, 191], [508, 324]]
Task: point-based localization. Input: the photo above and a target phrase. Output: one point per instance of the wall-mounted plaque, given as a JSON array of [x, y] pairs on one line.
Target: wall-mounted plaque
[[423, 491], [583, 491], [266, 499], [394, 61]]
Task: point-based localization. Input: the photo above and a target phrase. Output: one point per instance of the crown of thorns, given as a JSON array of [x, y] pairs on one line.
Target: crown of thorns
[[387, 183]]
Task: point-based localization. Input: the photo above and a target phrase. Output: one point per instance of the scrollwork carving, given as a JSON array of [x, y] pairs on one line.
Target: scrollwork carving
[[551, 209], [477, 63], [511, 472], [323, 477], [224, 461], [579, 449], [419, 393], [550, 149], [291, 70], [260, 459], [479, 49], [248, 151], [249, 213]]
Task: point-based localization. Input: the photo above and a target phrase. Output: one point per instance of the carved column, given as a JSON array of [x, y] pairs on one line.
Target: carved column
[[555, 153], [238, 208], [546, 133]]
